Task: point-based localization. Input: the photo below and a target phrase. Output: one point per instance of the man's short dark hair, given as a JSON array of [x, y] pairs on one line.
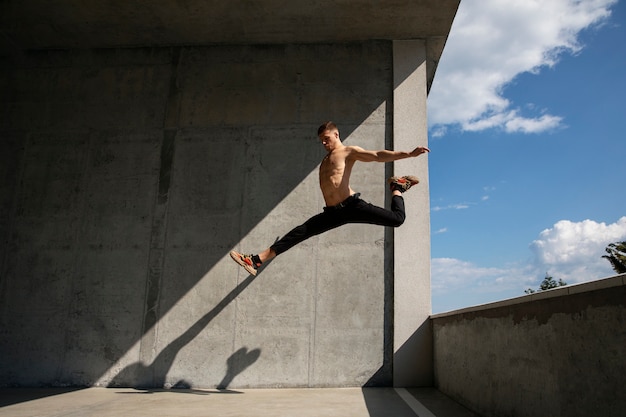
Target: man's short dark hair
[[327, 126]]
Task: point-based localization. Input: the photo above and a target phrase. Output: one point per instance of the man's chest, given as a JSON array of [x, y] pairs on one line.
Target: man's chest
[[333, 163]]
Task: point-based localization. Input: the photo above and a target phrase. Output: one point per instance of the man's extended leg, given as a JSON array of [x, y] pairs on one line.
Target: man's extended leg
[[317, 224]]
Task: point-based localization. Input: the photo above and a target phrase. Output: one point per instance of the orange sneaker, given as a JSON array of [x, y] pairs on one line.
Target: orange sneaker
[[245, 261], [402, 184]]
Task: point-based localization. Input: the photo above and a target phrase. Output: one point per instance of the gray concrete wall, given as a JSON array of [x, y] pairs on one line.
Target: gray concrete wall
[[555, 353], [127, 175], [412, 303]]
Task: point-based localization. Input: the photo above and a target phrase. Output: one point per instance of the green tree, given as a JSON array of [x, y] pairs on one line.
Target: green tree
[[617, 256], [547, 283]]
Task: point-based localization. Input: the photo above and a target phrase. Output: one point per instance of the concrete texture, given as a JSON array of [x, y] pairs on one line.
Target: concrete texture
[[129, 176], [141, 142], [343, 402], [67, 24], [556, 353], [412, 303]]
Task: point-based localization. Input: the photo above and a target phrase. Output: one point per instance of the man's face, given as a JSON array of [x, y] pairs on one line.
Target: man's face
[[329, 139]]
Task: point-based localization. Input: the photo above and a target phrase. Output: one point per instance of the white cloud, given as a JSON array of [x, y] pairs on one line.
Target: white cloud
[[460, 206], [573, 251], [491, 42], [451, 275]]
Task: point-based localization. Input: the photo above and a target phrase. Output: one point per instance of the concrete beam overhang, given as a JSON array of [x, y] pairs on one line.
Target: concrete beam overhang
[[77, 24]]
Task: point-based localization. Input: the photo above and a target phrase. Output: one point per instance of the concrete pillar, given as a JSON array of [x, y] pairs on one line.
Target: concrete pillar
[[412, 362]]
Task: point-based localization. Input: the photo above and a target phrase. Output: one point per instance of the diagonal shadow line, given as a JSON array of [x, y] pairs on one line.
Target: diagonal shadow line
[[289, 173], [299, 172], [296, 174], [154, 375]]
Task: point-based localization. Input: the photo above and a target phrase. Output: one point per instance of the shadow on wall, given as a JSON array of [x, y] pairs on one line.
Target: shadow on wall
[[154, 375], [102, 182]]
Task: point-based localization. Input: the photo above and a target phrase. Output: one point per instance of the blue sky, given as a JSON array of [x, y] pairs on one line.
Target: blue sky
[[527, 121]]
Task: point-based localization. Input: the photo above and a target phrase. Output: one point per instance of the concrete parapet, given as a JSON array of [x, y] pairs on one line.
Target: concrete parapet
[[554, 353]]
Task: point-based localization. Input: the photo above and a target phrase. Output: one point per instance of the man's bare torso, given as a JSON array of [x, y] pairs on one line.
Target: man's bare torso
[[335, 171]]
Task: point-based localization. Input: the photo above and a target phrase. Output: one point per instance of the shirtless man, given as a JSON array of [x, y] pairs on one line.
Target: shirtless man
[[343, 205]]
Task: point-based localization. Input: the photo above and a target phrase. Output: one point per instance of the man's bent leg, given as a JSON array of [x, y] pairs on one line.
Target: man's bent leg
[[364, 212], [397, 207]]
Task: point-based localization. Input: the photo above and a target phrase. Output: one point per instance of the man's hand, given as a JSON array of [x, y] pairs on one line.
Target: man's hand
[[419, 150]]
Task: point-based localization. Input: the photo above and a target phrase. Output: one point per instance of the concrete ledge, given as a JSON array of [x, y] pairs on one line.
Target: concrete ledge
[[615, 281], [554, 353], [34, 24]]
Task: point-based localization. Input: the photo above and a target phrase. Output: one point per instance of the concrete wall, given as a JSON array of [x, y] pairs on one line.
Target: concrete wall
[[554, 353], [412, 303], [127, 175]]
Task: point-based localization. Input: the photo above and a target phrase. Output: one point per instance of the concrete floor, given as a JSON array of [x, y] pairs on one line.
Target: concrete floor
[[326, 402]]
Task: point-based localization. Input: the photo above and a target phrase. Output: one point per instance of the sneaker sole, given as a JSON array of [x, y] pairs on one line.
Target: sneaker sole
[[237, 258], [410, 178]]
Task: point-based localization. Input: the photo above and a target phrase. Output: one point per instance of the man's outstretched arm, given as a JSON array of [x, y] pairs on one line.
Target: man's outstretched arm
[[359, 154]]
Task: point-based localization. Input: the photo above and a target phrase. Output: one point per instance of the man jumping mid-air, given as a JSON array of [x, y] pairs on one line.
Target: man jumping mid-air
[[343, 205]]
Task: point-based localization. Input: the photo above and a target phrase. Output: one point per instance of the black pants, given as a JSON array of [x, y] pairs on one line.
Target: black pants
[[352, 210]]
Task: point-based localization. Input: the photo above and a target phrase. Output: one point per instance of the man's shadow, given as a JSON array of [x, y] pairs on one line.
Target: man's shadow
[[237, 363], [139, 375]]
